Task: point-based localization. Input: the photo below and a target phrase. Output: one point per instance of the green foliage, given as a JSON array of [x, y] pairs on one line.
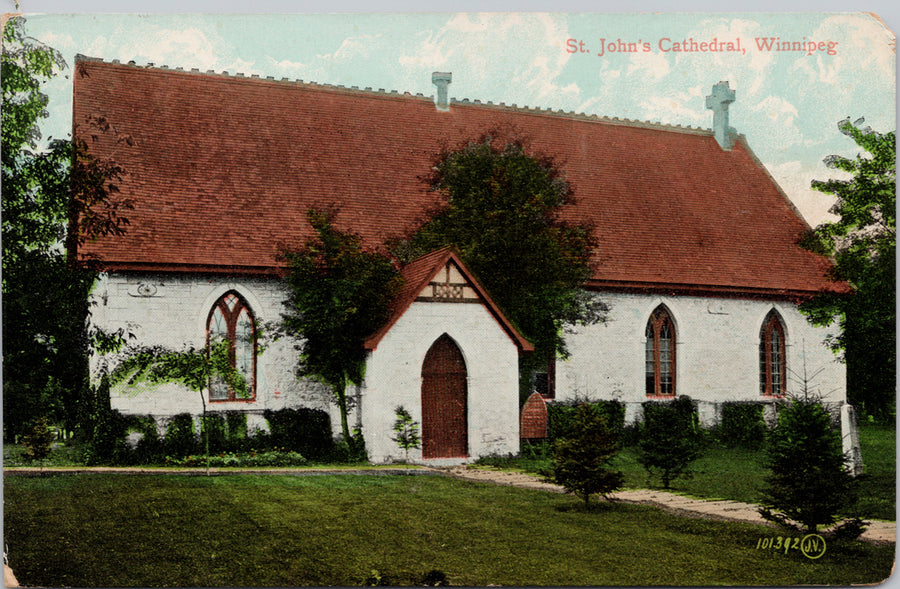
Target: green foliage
[[670, 438], [213, 432], [53, 193], [236, 424], [742, 426], [44, 297], [278, 457], [149, 448], [352, 449], [39, 441], [340, 293], [192, 367], [406, 431], [503, 213], [107, 429], [809, 483], [561, 416], [581, 460], [304, 430], [180, 438], [863, 243], [195, 368]]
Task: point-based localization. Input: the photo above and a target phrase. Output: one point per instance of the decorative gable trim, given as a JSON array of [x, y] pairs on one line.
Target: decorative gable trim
[[442, 277], [449, 286]]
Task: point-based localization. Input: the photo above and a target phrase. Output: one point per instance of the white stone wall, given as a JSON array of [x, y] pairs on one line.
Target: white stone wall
[[717, 353], [717, 347], [393, 377], [172, 311]]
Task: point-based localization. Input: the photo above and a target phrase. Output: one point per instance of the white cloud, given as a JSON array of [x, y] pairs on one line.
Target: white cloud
[[500, 57], [352, 47], [653, 64], [865, 41], [187, 48], [756, 64], [286, 66], [430, 53], [679, 108], [778, 119], [242, 66], [795, 178]]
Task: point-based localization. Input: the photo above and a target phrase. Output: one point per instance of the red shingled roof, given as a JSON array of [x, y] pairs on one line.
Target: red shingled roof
[[223, 170], [418, 273]]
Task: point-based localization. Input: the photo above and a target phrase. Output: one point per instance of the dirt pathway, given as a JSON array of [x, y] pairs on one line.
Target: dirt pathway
[[877, 531]]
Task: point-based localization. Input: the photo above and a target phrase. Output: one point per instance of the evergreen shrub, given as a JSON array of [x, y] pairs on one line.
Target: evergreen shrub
[[809, 483], [581, 460], [107, 430], [236, 423], [742, 426], [180, 438], [149, 448], [303, 430], [213, 426], [352, 450], [561, 416], [670, 438], [39, 441]]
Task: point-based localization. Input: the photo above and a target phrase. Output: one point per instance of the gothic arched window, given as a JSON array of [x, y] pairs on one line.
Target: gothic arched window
[[660, 354], [231, 320], [772, 357]]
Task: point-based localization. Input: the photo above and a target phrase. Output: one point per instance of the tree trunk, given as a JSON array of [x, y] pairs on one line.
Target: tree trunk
[[341, 391], [203, 431]]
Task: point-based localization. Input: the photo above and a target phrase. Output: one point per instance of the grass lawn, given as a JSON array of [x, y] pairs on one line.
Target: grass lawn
[[244, 530], [878, 487]]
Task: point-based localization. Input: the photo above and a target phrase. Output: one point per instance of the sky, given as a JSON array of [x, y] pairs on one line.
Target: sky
[[788, 103]]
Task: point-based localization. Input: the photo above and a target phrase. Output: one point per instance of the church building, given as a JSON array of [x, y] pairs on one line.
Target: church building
[[698, 256]]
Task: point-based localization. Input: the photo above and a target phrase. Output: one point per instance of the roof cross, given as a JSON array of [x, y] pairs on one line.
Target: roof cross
[[718, 101]]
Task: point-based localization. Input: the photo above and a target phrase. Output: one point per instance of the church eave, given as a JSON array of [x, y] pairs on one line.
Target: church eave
[[180, 268], [714, 291]]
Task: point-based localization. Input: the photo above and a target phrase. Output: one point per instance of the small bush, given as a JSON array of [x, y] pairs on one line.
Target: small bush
[[303, 430], [581, 460], [277, 457], [406, 431], [561, 416], [670, 438], [742, 426], [350, 451], [212, 426], [39, 441], [236, 422], [180, 438], [149, 448], [809, 483], [106, 433]]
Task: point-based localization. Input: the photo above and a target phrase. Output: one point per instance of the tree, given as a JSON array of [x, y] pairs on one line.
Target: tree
[[39, 441], [863, 243], [581, 459], [809, 482], [670, 438], [406, 431], [503, 212], [339, 294], [53, 194], [196, 369]]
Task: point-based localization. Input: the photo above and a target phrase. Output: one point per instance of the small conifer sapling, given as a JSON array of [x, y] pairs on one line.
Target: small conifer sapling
[[406, 431], [581, 460]]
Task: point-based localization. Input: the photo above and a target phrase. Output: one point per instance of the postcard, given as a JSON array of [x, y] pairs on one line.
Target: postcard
[[478, 299]]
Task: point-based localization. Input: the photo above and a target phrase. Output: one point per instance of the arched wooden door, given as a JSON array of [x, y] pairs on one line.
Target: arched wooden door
[[444, 392]]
